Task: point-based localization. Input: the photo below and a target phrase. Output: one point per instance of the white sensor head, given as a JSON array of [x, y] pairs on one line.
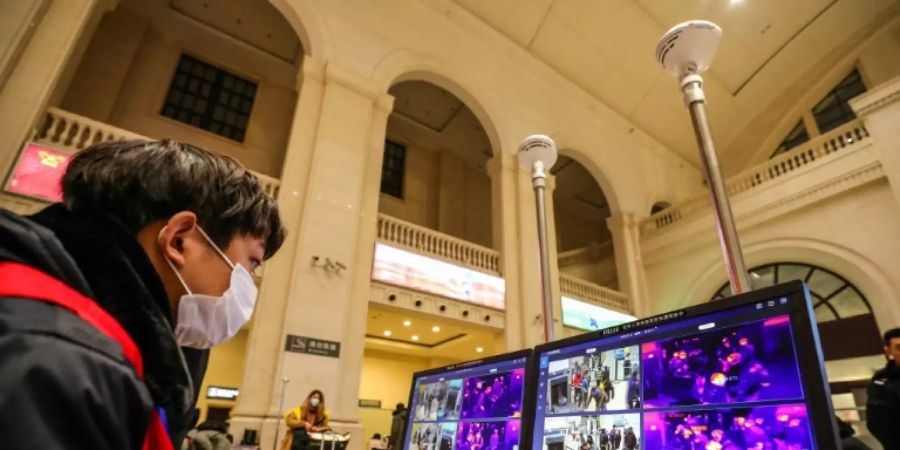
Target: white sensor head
[[537, 148], [688, 47]]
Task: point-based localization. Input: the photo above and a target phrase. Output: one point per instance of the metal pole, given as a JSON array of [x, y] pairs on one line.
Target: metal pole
[[284, 382], [539, 180], [692, 84]]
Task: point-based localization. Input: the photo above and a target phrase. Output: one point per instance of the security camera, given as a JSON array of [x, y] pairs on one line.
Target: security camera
[[688, 47], [537, 149]]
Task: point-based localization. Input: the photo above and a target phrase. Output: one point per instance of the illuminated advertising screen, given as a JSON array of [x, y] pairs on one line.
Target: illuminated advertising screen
[[590, 317], [38, 173], [414, 271]]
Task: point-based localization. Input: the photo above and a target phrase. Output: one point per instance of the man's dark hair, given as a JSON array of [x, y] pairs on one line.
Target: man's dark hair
[[891, 334], [140, 182]]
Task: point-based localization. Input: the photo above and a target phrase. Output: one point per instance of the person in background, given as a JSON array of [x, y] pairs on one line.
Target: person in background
[[883, 405], [398, 427], [151, 251], [376, 443], [310, 417], [209, 435]]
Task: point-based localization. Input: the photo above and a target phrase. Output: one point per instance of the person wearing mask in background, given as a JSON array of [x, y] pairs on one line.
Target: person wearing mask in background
[[398, 427], [310, 417], [151, 249], [883, 405]]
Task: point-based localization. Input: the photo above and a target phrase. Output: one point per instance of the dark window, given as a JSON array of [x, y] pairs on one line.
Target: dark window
[[797, 136], [210, 98], [218, 414], [392, 169], [846, 322], [833, 110], [658, 207]]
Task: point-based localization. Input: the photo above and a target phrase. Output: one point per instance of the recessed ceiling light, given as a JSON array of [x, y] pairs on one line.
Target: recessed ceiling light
[[479, 349], [435, 328], [387, 333], [736, 2], [415, 338], [406, 323]]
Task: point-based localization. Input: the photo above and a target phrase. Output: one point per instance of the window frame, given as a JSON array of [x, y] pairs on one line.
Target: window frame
[[401, 183]]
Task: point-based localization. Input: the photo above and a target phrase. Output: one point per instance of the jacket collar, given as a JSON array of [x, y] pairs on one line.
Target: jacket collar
[[126, 285]]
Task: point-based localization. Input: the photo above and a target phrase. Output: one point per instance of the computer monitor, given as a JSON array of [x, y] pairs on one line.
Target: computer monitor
[[739, 373], [476, 405]]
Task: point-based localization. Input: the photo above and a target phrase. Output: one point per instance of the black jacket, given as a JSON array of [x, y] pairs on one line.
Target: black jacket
[[79, 391], [883, 406], [398, 429]]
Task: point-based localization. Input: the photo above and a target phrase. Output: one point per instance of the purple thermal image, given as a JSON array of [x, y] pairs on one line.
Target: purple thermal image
[[784, 427], [749, 362], [493, 396], [502, 435]]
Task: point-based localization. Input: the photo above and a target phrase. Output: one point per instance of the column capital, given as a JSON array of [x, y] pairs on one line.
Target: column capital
[[880, 96], [353, 81], [623, 219]]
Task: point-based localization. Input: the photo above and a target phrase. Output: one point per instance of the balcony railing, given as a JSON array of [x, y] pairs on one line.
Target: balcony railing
[[584, 255], [67, 131], [585, 290], [433, 243], [841, 139]]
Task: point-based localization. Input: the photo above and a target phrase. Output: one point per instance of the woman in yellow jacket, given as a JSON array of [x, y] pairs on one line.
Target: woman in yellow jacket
[[307, 418]]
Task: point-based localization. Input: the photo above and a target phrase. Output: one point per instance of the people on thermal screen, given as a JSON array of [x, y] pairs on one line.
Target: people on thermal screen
[[883, 405], [110, 300], [310, 417]]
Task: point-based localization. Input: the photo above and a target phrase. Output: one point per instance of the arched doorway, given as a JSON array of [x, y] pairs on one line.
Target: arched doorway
[[583, 240]]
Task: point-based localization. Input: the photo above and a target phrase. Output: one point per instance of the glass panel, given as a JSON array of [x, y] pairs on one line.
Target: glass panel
[[824, 283], [848, 304], [790, 272], [760, 278], [823, 314]]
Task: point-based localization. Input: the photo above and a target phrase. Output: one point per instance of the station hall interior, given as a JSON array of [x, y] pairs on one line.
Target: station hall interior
[[387, 132]]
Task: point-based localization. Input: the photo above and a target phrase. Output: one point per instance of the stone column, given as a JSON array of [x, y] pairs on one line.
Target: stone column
[[35, 60], [504, 173], [330, 195], [879, 109], [626, 236]]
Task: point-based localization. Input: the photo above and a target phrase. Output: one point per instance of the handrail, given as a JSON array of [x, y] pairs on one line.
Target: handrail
[[585, 290], [430, 242], [834, 141], [582, 255], [71, 132]]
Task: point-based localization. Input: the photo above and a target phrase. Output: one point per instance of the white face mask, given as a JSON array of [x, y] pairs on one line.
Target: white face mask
[[314, 402], [206, 320]]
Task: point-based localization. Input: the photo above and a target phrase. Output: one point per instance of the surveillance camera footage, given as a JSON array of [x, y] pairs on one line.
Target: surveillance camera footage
[[750, 362], [723, 380], [494, 395], [784, 427], [501, 435]]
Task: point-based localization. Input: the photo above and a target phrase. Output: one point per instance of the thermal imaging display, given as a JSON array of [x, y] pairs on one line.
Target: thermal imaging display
[[469, 406], [745, 375]]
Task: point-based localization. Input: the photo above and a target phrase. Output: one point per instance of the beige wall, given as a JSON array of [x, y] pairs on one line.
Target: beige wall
[[226, 367], [386, 377], [128, 65], [441, 191]]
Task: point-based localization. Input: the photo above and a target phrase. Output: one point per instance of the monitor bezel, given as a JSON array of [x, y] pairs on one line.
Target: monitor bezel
[[525, 420], [810, 363]]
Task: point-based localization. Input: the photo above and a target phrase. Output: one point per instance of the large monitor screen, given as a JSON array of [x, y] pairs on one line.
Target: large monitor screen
[[742, 373], [469, 406], [588, 316], [408, 269]]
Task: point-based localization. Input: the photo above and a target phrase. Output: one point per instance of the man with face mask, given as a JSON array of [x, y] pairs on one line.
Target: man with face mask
[[883, 405], [110, 300]]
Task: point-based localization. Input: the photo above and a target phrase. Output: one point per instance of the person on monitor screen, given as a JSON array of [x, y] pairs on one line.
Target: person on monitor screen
[[629, 439], [398, 426], [883, 405], [310, 417], [111, 299]]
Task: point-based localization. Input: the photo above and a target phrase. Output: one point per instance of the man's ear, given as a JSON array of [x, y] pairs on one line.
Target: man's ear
[[173, 234]]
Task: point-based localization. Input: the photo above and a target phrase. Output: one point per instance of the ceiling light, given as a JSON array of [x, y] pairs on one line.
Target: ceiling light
[[415, 338], [479, 349], [387, 333], [435, 328], [736, 2], [406, 323]]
